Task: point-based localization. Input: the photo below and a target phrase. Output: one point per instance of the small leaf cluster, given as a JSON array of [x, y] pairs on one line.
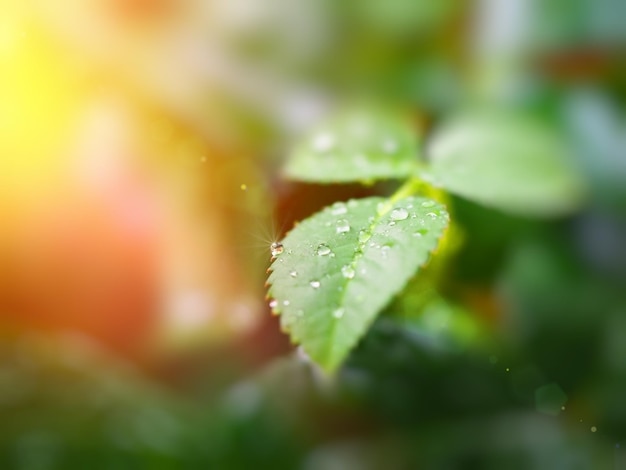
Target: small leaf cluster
[[336, 271]]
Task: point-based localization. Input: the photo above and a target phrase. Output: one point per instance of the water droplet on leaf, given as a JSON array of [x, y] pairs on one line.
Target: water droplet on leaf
[[338, 313], [315, 284], [293, 273], [323, 249], [348, 271], [399, 213], [343, 226], [276, 248]]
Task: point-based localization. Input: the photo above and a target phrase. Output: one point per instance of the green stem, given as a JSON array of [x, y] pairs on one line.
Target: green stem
[[411, 187]]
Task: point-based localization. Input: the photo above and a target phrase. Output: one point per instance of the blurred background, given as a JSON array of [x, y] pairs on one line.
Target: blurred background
[[141, 143]]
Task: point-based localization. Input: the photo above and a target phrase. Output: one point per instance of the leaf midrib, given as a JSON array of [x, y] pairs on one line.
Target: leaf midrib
[[388, 204]]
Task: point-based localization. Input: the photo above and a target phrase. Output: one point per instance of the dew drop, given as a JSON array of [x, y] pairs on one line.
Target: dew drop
[[274, 303], [285, 302], [315, 284], [593, 429], [363, 236], [392, 223], [276, 248], [399, 213], [385, 250], [428, 203], [323, 249], [432, 215], [323, 142], [420, 233], [338, 313], [348, 271], [338, 208], [293, 273], [343, 226]]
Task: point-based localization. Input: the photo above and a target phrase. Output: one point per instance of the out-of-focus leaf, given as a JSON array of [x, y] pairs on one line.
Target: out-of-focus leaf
[[403, 17], [505, 162], [340, 267], [356, 146]]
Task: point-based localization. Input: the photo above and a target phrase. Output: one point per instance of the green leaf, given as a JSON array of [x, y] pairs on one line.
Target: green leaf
[[356, 146], [340, 267], [506, 162]]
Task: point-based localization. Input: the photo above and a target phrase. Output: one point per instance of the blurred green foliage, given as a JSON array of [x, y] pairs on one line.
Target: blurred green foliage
[[529, 304]]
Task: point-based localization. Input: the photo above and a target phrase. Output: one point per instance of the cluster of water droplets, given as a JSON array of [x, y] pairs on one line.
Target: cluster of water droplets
[[342, 226]]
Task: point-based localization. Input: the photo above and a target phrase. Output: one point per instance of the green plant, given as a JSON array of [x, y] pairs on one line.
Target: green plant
[[335, 271]]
